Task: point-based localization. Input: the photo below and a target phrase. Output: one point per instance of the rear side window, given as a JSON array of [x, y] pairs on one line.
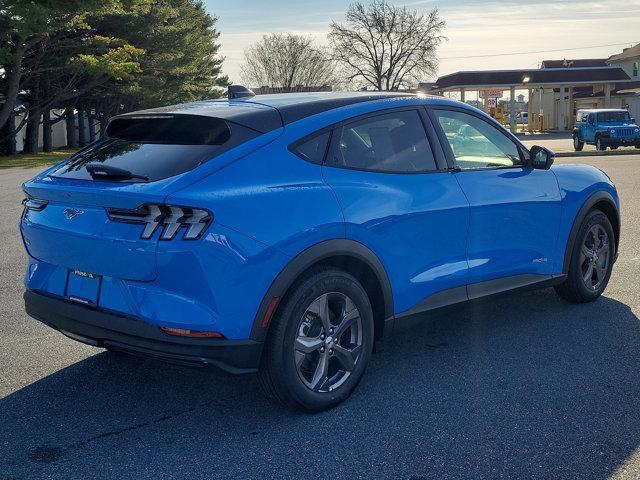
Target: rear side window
[[609, 117], [394, 142], [155, 147], [313, 149]]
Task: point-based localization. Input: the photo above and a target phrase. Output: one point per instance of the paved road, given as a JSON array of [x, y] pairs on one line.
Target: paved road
[[522, 387]]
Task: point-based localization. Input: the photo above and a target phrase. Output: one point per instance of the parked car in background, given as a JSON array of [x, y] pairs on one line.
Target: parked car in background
[[522, 118], [605, 128], [285, 234]]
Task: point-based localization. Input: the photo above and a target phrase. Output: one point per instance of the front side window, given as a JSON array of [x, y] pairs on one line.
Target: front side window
[[393, 142], [476, 144]]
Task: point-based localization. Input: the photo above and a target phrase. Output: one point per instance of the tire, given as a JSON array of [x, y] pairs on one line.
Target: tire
[[595, 233], [294, 378], [599, 145], [578, 144]]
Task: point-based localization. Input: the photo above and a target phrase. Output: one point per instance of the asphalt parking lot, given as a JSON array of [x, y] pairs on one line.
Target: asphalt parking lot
[[524, 386]]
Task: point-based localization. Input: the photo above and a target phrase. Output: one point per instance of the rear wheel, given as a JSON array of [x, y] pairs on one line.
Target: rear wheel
[[578, 144], [319, 343], [591, 260]]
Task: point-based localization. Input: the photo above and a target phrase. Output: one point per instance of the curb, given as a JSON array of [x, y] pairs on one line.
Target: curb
[[597, 154]]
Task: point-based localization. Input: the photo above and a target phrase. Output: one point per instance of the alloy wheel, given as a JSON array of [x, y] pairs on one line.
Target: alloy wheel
[[329, 342], [594, 257]]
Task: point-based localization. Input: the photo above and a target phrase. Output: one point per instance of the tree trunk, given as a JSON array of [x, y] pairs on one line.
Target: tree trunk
[[72, 139], [47, 132], [8, 135], [32, 134], [92, 127], [13, 73], [82, 132], [12, 147]]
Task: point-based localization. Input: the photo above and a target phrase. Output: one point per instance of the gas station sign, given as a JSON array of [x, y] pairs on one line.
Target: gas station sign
[[491, 93]]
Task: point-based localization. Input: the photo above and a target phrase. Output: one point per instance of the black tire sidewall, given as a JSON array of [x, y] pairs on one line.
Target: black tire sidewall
[[594, 217], [295, 305], [577, 143]]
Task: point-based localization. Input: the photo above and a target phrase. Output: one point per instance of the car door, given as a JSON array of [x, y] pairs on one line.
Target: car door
[[399, 199], [514, 209], [589, 128]]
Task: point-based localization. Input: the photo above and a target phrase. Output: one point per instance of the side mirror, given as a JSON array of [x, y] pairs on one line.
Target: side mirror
[[633, 120], [541, 158]]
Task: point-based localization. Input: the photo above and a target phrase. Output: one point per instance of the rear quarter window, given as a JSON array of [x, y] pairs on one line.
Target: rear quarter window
[[312, 149]]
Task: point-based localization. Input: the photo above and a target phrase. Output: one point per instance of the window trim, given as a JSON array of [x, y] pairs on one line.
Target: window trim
[[446, 146], [425, 125]]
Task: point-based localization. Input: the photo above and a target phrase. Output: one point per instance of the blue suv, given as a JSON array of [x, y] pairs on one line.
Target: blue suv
[[285, 234], [605, 128]]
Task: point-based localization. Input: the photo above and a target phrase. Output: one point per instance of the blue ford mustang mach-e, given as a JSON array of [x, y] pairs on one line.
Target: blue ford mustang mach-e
[[285, 234]]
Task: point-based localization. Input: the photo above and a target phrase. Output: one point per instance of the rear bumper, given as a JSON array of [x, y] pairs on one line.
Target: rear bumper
[[109, 329]]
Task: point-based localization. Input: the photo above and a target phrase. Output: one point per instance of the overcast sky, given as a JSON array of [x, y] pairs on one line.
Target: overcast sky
[[474, 28]]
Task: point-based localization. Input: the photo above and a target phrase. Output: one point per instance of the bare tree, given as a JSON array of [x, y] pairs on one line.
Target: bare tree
[[286, 60], [386, 47]]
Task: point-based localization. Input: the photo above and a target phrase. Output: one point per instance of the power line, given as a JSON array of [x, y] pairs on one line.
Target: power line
[[535, 52]]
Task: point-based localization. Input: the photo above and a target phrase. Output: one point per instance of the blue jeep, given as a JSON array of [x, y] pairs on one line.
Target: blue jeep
[[605, 128]]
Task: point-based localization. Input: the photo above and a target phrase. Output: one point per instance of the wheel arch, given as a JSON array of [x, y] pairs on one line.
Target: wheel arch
[[578, 132], [604, 202], [348, 255]]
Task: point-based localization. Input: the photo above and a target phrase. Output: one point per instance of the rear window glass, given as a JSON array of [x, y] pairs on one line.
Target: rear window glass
[[155, 147]]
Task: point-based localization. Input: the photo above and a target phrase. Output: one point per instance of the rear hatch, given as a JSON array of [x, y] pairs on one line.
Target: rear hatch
[[88, 213]]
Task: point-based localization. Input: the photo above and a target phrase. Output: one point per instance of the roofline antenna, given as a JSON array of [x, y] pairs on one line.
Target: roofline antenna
[[239, 91]]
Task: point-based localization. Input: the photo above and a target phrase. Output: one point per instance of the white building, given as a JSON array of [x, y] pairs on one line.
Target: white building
[[619, 95]]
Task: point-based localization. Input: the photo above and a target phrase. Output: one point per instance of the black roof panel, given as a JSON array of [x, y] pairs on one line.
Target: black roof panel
[[264, 113]]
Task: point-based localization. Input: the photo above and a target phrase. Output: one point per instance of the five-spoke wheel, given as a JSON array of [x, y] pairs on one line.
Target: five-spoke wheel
[[591, 261], [329, 342], [594, 257], [319, 342]]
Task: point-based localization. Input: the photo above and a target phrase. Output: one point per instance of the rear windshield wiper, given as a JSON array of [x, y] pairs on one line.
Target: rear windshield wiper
[[100, 171]]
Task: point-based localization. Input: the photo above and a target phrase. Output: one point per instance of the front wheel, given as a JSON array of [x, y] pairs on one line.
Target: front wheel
[[578, 144], [591, 260], [319, 343]]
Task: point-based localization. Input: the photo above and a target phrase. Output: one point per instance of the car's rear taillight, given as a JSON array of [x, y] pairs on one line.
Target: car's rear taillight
[[31, 203], [170, 217]]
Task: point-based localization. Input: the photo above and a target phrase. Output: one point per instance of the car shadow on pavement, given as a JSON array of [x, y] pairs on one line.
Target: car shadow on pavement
[[520, 387]]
